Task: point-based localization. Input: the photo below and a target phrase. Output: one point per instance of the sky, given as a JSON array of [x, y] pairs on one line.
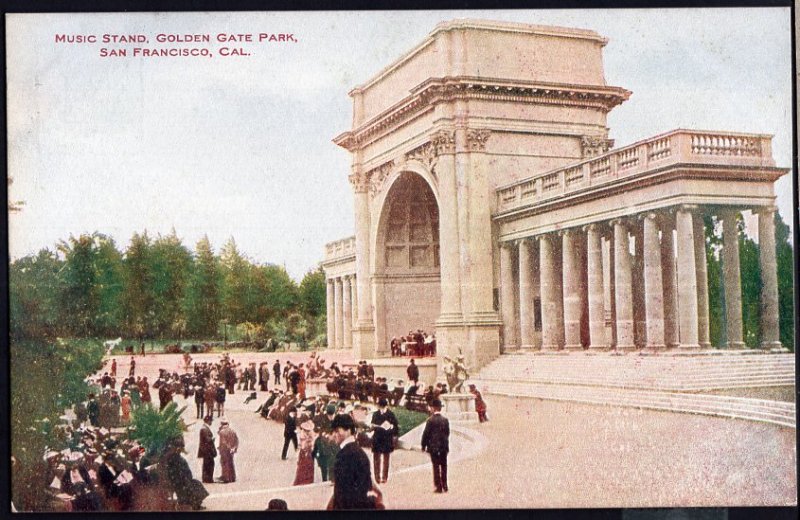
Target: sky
[[241, 145]]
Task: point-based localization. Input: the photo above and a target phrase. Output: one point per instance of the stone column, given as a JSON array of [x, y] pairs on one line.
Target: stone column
[[507, 304], [669, 282], [354, 300], [653, 287], [347, 318], [331, 318], [594, 266], [770, 326], [444, 143], [687, 279], [703, 324], [525, 294], [337, 312], [637, 284], [551, 320], [572, 290], [364, 331], [733, 280], [622, 286]]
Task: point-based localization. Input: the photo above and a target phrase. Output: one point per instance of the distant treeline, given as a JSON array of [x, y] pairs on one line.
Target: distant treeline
[[158, 288]]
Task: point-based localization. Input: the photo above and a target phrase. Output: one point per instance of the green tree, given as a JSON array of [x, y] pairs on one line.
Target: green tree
[[313, 293], [139, 298], [281, 293], [750, 270], [171, 264], [785, 260], [202, 301], [110, 287], [34, 287], [79, 295], [716, 287], [235, 275]]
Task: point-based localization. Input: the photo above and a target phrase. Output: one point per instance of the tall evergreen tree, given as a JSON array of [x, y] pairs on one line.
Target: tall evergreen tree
[[139, 298], [785, 261], [202, 301], [79, 296], [171, 264], [34, 288]]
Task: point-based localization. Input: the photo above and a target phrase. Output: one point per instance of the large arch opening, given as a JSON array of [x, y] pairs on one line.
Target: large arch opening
[[407, 273]]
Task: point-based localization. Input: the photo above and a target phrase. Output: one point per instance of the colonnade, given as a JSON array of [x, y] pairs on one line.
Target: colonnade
[[630, 283], [342, 310]]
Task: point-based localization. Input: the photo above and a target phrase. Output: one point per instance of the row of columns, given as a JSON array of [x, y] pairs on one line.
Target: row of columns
[[657, 296], [342, 310]]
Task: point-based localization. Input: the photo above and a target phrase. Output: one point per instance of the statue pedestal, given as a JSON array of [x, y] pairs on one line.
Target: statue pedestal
[[459, 407]]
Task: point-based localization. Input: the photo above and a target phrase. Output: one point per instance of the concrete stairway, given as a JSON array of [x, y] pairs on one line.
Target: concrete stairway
[[661, 382]]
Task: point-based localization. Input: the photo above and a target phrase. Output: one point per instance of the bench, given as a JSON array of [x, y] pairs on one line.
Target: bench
[[416, 403]]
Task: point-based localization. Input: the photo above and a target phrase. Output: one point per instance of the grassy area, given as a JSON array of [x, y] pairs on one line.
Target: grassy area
[[408, 419]]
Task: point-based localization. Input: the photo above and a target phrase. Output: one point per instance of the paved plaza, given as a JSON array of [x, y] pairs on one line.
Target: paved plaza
[[532, 454]]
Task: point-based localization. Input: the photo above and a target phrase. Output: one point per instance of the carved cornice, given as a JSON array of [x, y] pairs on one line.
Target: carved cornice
[[435, 90], [378, 175], [476, 139], [592, 146]]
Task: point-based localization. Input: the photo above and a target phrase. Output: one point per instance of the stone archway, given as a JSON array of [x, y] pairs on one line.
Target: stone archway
[[407, 274]]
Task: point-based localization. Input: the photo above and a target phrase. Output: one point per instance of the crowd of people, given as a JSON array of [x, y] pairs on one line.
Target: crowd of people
[[418, 344], [104, 470]]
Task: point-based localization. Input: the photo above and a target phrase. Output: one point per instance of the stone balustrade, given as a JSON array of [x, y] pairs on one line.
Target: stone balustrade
[[340, 248], [673, 148]]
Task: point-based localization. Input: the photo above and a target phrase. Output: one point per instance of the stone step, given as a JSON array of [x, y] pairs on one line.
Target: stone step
[[718, 384], [753, 409]]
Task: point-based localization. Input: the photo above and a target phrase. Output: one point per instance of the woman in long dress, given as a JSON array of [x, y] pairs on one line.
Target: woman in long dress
[[305, 460], [125, 406]]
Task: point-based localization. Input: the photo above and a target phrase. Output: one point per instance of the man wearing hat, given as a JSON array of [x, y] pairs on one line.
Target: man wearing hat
[[206, 450], [384, 427], [480, 404], [289, 431], [436, 441], [228, 446], [352, 479], [325, 448]]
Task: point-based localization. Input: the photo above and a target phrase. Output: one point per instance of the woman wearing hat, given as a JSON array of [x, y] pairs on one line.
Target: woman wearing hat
[[384, 427], [305, 459]]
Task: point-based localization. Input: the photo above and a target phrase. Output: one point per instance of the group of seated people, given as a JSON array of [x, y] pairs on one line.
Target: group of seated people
[[100, 470], [415, 344]]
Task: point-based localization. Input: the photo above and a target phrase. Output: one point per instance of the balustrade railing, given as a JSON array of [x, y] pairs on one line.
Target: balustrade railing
[[340, 248], [676, 147]]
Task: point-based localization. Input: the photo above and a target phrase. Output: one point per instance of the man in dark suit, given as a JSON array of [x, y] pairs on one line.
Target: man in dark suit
[[289, 431], [385, 427], [412, 371], [207, 451], [352, 480], [436, 441]]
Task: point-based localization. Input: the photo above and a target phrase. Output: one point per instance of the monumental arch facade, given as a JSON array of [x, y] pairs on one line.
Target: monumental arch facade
[[491, 208]]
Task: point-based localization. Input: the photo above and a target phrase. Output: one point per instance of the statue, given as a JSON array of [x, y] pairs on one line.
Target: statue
[[456, 373]]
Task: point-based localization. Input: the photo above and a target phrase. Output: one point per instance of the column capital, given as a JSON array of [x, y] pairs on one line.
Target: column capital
[[689, 208], [765, 210], [543, 237], [594, 226], [476, 139], [524, 241], [444, 142], [650, 215], [621, 221], [360, 181], [508, 245]]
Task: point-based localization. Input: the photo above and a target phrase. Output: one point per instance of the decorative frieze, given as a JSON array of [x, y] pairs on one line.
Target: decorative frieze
[[426, 154], [378, 175]]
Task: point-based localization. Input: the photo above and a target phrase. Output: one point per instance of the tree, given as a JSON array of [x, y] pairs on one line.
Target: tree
[[201, 304], [110, 286], [313, 293], [235, 282], [716, 287], [79, 295], [34, 287], [140, 297], [785, 261], [171, 263], [281, 294], [750, 266]]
